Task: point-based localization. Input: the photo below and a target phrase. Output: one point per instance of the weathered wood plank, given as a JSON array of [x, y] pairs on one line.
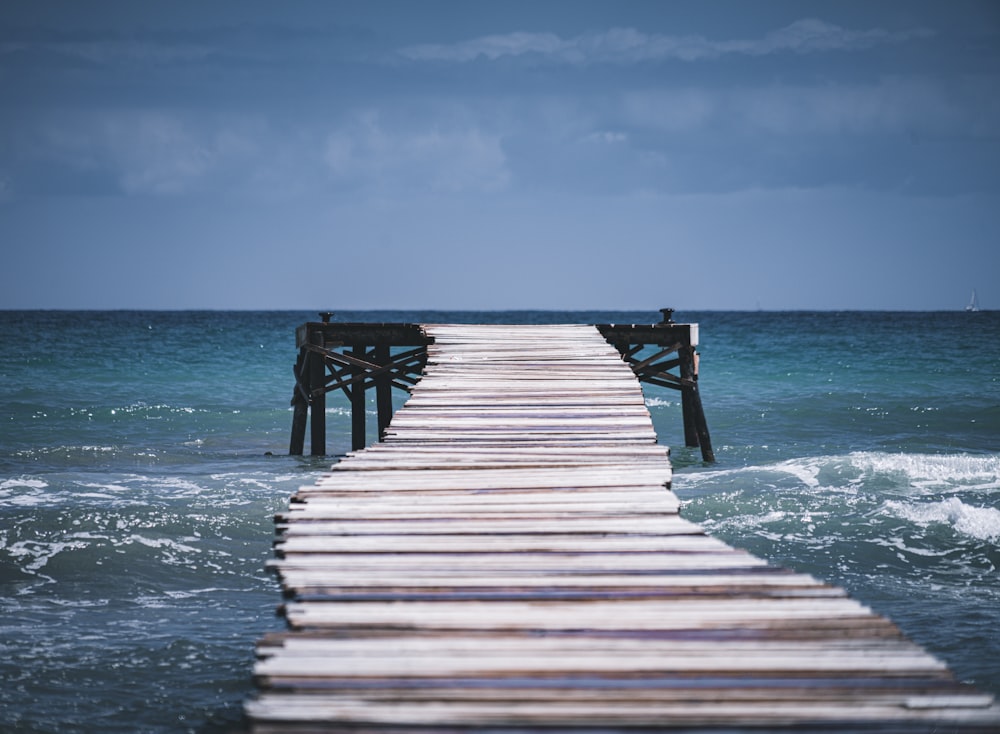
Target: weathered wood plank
[[682, 559], [558, 543], [468, 525]]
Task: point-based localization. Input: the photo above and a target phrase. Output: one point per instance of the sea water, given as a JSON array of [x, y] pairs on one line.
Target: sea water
[[144, 454]]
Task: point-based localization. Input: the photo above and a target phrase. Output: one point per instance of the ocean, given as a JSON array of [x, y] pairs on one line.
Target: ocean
[[144, 454]]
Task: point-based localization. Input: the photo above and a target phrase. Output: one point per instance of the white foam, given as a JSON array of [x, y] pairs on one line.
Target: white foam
[[981, 523], [806, 471], [924, 473], [900, 544], [23, 482], [104, 487], [934, 471], [142, 407], [40, 552], [176, 483], [24, 492], [655, 402], [749, 522], [189, 593], [168, 543]]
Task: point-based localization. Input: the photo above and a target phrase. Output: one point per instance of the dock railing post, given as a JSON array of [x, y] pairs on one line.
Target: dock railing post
[[687, 405], [695, 425], [317, 406], [300, 406], [358, 437], [383, 391]]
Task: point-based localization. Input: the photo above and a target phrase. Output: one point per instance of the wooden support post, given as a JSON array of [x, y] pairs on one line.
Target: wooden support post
[[358, 438], [688, 409], [695, 425], [690, 422], [383, 390], [300, 405], [317, 406]]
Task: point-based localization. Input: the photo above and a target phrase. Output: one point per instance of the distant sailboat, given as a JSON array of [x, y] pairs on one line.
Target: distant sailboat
[[973, 302]]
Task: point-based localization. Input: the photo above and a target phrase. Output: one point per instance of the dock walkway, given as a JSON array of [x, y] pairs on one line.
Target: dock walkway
[[511, 558]]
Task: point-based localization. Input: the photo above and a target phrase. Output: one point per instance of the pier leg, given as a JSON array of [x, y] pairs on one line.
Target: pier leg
[[300, 414], [690, 422], [688, 409], [317, 376], [701, 426], [383, 391], [358, 437], [695, 425]]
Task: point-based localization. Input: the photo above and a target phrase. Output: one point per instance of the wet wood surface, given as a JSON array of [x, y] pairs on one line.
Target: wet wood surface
[[511, 558]]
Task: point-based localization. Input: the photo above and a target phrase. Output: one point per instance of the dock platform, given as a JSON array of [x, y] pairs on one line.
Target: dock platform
[[510, 558]]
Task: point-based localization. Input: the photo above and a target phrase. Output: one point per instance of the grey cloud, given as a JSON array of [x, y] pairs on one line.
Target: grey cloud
[[490, 47], [367, 153], [150, 153], [153, 47], [889, 105], [813, 35], [628, 45]]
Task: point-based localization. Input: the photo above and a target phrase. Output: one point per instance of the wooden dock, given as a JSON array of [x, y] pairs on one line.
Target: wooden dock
[[510, 558]]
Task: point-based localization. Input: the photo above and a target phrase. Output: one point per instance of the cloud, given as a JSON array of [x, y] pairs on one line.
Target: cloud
[[671, 110], [813, 35], [159, 154], [889, 105], [148, 152], [365, 153], [605, 137], [491, 47], [628, 45], [167, 153], [104, 48]]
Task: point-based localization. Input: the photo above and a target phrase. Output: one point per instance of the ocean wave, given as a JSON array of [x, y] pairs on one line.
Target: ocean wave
[[176, 483], [143, 408], [905, 473], [27, 482], [656, 402], [933, 472], [65, 451], [162, 543], [35, 554], [192, 593], [24, 492], [981, 523]]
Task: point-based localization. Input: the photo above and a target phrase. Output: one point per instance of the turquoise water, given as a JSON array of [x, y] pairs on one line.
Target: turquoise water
[[142, 457]]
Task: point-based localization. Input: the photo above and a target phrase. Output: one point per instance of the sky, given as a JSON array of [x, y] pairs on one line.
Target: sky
[[584, 155]]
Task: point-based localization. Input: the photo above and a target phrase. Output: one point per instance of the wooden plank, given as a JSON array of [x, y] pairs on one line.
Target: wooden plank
[[704, 561], [450, 578], [570, 500], [609, 715], [554, 542], [709, 659], [490, 479], [469, 525], [638, 615]]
